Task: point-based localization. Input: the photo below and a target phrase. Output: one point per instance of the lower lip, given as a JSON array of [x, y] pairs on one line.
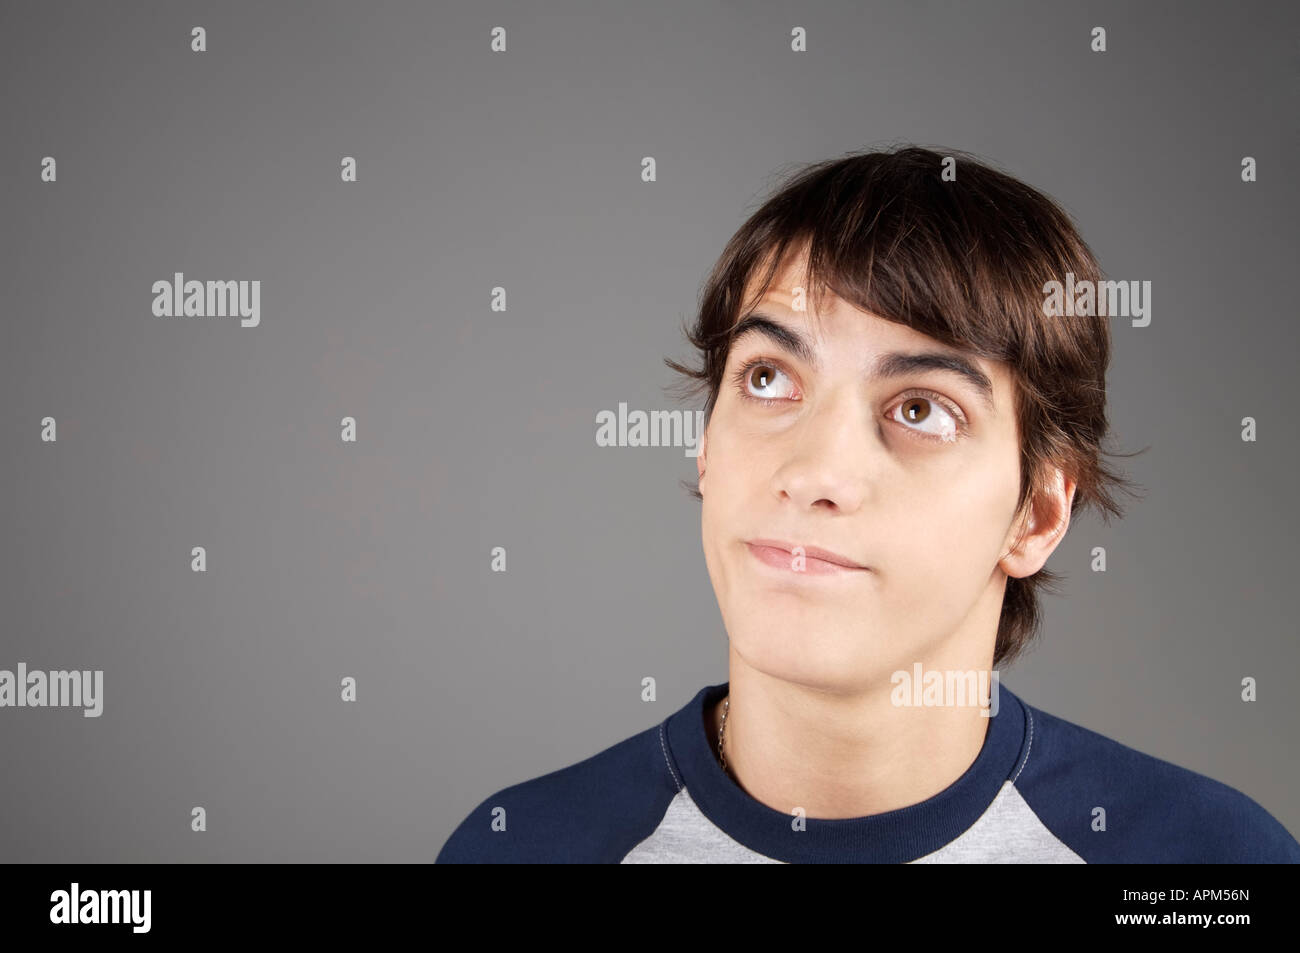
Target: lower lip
[[780, 559]]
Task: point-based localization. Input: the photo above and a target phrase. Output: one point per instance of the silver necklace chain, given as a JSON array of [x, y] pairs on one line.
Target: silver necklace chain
[[726, 707]]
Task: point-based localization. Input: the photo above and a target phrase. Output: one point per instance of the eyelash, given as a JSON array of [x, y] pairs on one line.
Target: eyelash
[[741, 377]]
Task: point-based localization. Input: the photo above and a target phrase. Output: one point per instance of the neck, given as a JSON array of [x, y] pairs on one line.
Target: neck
[[845, 753]]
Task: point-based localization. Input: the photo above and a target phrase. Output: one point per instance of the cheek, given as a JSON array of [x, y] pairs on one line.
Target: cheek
[[723, 491], [732, 461], [944, 534], [731, 487]]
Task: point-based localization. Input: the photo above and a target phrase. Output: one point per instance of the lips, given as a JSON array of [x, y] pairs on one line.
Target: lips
[[810, 552]]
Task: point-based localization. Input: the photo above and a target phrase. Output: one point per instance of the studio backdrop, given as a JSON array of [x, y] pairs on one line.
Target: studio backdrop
[[326, 326]]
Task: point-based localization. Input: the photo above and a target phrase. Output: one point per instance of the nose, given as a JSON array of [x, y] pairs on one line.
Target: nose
[[826, 466]]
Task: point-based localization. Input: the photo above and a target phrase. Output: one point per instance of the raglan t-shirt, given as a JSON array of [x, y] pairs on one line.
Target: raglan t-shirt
[[1041, 790]]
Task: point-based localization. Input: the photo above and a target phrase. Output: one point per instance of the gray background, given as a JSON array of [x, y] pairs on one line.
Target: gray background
[[476, 428]]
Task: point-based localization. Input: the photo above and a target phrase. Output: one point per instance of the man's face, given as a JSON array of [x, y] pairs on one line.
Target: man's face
[[911, 475]]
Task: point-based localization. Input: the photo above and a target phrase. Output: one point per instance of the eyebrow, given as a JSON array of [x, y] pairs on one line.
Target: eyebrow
[[888, 365]]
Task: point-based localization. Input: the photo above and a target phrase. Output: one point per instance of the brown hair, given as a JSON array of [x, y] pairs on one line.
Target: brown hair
[[964, 262]]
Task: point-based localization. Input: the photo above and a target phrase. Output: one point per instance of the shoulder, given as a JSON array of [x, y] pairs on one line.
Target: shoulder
[[594, 811], [1113, 804]]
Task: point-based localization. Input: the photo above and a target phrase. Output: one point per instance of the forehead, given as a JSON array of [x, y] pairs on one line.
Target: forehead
[[786, 281], [787, 300]]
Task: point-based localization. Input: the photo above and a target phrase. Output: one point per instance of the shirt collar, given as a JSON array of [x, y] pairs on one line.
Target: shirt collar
[[895, 836]]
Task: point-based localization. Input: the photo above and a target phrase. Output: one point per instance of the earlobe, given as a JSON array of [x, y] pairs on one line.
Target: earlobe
[[1039, 529]]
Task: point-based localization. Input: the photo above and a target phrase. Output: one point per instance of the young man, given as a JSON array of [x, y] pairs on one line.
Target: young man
[[897, 439]]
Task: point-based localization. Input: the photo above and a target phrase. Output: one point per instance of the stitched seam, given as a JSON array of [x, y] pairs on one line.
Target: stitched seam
[[668, 762], [1029, 747]]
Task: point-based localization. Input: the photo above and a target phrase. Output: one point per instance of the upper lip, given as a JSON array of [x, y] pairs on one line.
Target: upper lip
[[814, 552]]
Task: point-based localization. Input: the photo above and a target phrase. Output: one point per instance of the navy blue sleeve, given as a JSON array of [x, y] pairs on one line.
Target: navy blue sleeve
[[1155, 811], [594, 811]]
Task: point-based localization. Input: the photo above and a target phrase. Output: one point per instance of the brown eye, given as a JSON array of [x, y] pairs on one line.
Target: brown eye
[[916, 413], [764, 382], [916, 409]]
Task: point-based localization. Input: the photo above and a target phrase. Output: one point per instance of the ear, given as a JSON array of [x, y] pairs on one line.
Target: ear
[[1039, 528]]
